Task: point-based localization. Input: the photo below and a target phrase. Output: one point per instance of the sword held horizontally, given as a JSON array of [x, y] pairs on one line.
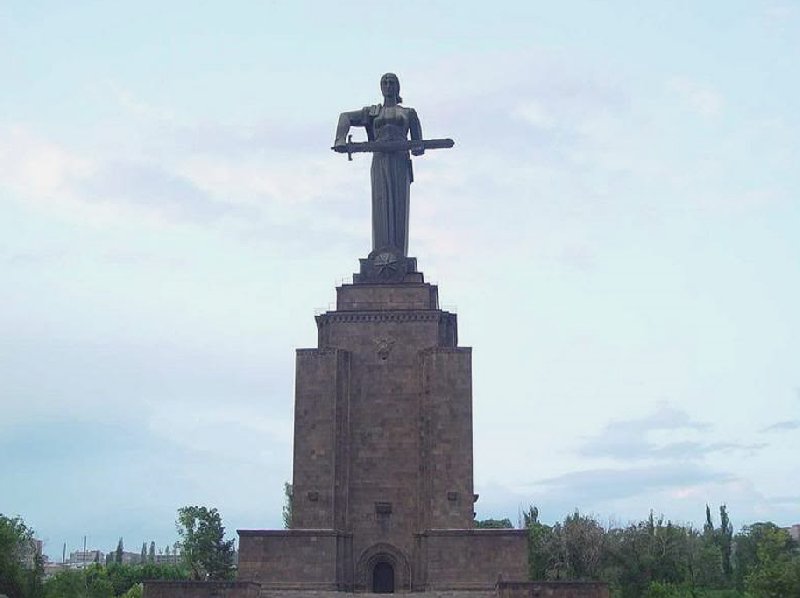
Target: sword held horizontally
[[394, 145]]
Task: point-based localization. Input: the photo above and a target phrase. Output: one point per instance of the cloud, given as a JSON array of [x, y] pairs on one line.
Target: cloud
[[792, 424], [605, 484], [633, 439], [195, 182], [151, 188], [37, 167], [241, 432], [696, 97], [51, 175], [780, 12]]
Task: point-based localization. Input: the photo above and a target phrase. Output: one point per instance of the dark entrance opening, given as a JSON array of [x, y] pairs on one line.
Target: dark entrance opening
[[383, 578]]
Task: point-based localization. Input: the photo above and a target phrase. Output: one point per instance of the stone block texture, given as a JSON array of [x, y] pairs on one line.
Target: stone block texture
[[383, 456], [552, 589], [294, 559], [201, 589], [472, 559], [382, 482]]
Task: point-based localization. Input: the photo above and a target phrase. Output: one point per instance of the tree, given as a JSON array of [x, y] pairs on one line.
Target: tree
[[92, 582], [493, 523], [725, 542], [708, 528], [582, 542], [21, 566], [539, 538], [143, 558], [118, 552], [203, 546], [746, 553], [151, 557], [136, 591], [287, 505], [777, 570]]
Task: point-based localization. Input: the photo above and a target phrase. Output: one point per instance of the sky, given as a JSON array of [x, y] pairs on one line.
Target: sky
[[616, 227]]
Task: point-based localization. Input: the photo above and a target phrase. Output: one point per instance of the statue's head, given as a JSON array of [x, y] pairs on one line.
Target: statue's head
[[390, 87]]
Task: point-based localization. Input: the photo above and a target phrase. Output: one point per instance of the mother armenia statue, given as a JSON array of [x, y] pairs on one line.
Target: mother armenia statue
[[388, 127]]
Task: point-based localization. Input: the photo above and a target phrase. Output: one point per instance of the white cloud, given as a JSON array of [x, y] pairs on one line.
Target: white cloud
[[38, 168], [698, 98]]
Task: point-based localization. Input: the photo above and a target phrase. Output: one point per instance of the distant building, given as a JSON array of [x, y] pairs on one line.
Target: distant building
[[794, 532], [80, 558], [51, 569], [168, 559], [135, 558], [128, 558]]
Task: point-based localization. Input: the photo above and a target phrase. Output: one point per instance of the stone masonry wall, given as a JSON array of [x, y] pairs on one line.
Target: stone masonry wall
[[200, 589], [552, 589], [446, 429], [472, 559], [321, 397], [290, 558]]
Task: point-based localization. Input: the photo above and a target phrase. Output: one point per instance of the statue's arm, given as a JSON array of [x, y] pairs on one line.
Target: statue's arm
[[354, 118], [415, 129]]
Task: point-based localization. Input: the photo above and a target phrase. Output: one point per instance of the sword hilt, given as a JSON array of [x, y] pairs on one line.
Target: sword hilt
[[349, 153]]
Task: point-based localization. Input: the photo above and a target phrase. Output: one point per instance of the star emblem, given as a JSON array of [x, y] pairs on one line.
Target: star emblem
[[386, 264]]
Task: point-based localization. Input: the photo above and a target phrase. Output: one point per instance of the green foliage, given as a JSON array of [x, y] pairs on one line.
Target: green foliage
[[493, 524], [539, 539], [724, 539], [287, 505], [20, 564], [118, 552], [653, 557], [66, 584], [776, 572], [116, 580], [568, 550], [204, 549], [91, 582], [746, 554], [124, 577], [136, 591]]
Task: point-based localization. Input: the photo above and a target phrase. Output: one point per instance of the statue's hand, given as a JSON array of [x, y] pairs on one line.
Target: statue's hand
[[417, 151], [340, 148]]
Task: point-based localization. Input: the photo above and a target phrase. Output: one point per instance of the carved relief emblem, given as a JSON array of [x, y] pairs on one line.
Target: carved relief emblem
[[386, 264], [384, 346]]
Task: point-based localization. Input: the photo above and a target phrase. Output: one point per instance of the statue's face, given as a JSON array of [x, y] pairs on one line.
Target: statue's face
[[390, 86]]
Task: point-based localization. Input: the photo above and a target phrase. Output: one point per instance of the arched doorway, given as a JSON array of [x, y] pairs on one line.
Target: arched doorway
[[383, 578], [382, 569]]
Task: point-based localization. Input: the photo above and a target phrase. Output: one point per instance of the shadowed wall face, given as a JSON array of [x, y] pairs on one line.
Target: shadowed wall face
[[383, 489], [383, 419]]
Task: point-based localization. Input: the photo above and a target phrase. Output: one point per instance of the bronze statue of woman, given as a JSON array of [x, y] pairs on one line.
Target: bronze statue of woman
[[391, 171]]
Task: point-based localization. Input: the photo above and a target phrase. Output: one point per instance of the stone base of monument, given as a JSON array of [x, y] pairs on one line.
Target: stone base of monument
[[525, 589], [201, 589], [387, 265], [453, 559], [383, 495]]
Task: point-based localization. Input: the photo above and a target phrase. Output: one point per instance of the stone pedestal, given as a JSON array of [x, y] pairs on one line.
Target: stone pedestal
[[382, 484], [383, 452]]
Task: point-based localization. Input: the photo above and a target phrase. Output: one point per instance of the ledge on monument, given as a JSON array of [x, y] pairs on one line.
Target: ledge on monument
[[291, 532], [556, 589], [387, 265], [475, 531], [201, 589], [387, 296]]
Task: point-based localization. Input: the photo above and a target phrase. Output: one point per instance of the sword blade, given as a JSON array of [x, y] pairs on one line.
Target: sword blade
[[400, 145]]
